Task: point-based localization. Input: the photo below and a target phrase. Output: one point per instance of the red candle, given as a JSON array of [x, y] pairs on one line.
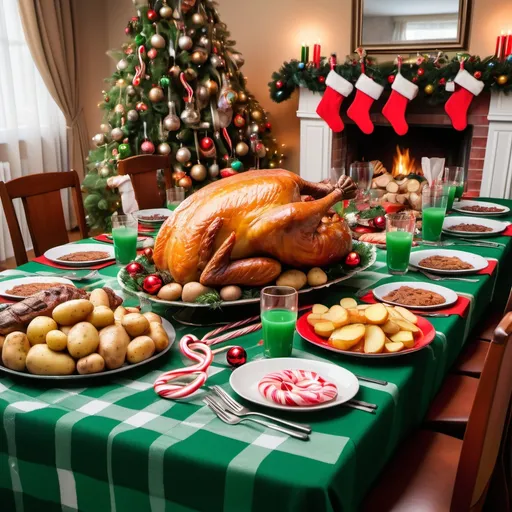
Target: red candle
[[500, 46], [508, 44], [316, 55]]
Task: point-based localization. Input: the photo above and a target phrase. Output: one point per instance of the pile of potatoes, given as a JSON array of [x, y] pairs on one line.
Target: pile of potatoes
[[365, 328], [85, 336]]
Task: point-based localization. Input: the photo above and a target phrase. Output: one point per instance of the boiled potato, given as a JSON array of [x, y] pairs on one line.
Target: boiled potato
[[374, 340], [394, 347], [405, 337], [170, 291], [38, 328], [158, 335], [348, 303], [99, 297], [132, 309], [83, 339], [408, 316], [390, 327], [113, 343], [316, 277], [347, 336], [65, 329], [191, 291], [407, 326], [324, 329], [359, 347], [152, 317], [393, 313], [2, 339], [93, 363], [119, 313], [139, 349], [14, 351], [356, 316], [293, 278], [319, 309], [42, 360], [314, 319], [135, 324], [72, 311], [337, 315], [101, 316], [362, 307], [57, 340], [230, 293], [376, 314]]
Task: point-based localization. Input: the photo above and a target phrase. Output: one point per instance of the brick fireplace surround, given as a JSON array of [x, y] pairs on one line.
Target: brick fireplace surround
[[489, 167]]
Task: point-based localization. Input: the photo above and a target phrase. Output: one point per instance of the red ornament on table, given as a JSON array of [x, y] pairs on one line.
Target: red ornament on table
[[236, 356], [379, 222], [321, 79], [391, 79], [148, 253], [152, 15], [152, 284], [206, 143], [421, 71], [134, 268], [239, 121], [477, 75], [353, 259], [279, 84]]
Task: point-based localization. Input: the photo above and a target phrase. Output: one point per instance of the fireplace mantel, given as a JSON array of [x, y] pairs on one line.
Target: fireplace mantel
[[490, 159]]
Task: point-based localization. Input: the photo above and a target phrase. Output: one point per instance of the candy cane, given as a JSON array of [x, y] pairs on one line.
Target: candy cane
[[140, 70], [188, 88]]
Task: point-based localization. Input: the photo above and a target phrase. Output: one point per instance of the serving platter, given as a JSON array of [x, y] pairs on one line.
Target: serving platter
[[496, 226], [11, 283], [179, 303], [449, 295], [169, 329], [244, 381], [478, 262], [152, 211], [458, 207], [63, 250], [308, 333]]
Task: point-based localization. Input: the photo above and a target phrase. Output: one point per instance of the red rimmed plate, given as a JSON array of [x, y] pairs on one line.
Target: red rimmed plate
[[308, 333]]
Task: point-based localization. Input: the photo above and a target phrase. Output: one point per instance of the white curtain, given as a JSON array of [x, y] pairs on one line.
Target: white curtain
[[32, 127], [421, 28]]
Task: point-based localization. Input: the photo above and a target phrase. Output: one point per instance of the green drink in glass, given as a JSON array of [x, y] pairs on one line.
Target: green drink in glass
[[454, 176], [434, 203], [450, 192], [278, 319], [459, 191], [399, 235], [124, 234], [175, 196]]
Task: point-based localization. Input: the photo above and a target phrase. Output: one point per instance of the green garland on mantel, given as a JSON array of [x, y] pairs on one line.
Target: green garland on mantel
[[430, 73]]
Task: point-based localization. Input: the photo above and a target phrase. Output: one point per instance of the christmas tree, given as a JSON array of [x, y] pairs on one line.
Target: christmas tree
[[178, 91]]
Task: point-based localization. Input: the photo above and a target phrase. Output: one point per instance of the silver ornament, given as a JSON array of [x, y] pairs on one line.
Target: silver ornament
[[172, 121], [119, 109], [163, 148], [104, 171], [185, 42], [238, 60], [117, 134], [190, 115], [213, 171], [122, 65], [157, 41], [99, 139], [105, 127], [183, 155], [216, 61], [131, 91], [198, 19], [204, 41], [132, 115], [198, 172], [165, 11]]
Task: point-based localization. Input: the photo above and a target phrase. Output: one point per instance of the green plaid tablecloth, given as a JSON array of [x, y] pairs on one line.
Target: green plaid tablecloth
[[116, 446]]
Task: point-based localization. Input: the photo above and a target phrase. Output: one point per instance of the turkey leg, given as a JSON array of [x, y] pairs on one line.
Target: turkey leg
[[319, 190], [221, 271]]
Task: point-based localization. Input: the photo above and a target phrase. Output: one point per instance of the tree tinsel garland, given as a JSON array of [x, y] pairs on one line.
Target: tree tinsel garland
[[436, 72]]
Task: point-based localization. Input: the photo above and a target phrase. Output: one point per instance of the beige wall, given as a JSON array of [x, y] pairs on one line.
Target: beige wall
[[267, 32]]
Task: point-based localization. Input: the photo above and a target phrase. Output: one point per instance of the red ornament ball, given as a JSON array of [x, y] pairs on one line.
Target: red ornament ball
[[321, 79], [477, 75], [442, 81], [236, 356], [152, 54], [152, 284], [134, 268], [421, 71], [353, 259], [391, 79], [206, 143], [239, 121], [152, 15], [414, 79], [148, 253], [379, 222], [268, 126], [279, 84], [141, 106], [147, 147], [127, 30]]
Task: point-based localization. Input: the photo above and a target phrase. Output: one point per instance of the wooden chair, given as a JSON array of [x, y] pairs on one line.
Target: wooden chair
[[40, 195], [435, 472], [142, 170]]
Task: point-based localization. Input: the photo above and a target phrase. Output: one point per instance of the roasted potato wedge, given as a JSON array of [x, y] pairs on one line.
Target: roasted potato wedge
[[394, 347], [347, 336], [410, 317], [356, 316], [324, 329], [337, 315], [374, 340], [405, 337], [376, 314], [315, 318], [348, 303], [320, 309], [407, 326], [390, 327]]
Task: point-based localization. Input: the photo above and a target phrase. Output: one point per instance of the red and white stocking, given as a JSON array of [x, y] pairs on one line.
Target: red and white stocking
[[367, 92], [467, 87], [402, 92], [329, 107]]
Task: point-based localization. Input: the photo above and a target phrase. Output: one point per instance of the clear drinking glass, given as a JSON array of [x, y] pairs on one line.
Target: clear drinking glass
[[175, 196], [454, 177], [124, 234], [434, 201], [279, 305], [336, 174], [399, 234], [362, 174]]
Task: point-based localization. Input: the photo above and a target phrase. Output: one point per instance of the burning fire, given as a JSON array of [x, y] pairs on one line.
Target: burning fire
[[403, 164]]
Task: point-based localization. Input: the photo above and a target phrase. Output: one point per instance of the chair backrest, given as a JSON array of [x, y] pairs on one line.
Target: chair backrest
[[40, 195], [142, 170], [486, 421]]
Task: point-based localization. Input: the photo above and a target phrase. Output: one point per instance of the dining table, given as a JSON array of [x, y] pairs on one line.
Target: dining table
[[113, 444]]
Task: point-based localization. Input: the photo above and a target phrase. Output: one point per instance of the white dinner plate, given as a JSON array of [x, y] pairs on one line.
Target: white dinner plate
[[458, 207], [244, 380], [63, 250], [11, 283], [449, 295], [477, 261], [153, 211], [497, 226]]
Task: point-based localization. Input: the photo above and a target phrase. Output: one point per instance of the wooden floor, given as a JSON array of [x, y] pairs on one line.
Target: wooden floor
[[11, 262]]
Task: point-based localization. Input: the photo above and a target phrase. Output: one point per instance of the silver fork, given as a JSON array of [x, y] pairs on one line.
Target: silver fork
[[72, 276], [434, 277], [239, 410], [231, 419]]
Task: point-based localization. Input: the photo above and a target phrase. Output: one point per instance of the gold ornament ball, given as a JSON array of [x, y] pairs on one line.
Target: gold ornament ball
[[104, 171], [157, 41], [242, 149], [202, 93], [199, 57], [99, 139], [156, 94], [242, 97], [163, 148], [429, 89], [121, 83], [190, 74], [198, 172], [183, 155], [185, 182], [165, 11], [198, 19], [131, 91], [119, 109], [256, 115], [502, 79], [105, 127], [212, 87], [175, 71]]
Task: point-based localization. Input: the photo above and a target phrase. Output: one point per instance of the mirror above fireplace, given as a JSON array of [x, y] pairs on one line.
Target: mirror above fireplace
[[388, 26]]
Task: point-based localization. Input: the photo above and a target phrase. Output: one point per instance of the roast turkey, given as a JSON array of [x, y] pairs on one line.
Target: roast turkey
[[239, 230]]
